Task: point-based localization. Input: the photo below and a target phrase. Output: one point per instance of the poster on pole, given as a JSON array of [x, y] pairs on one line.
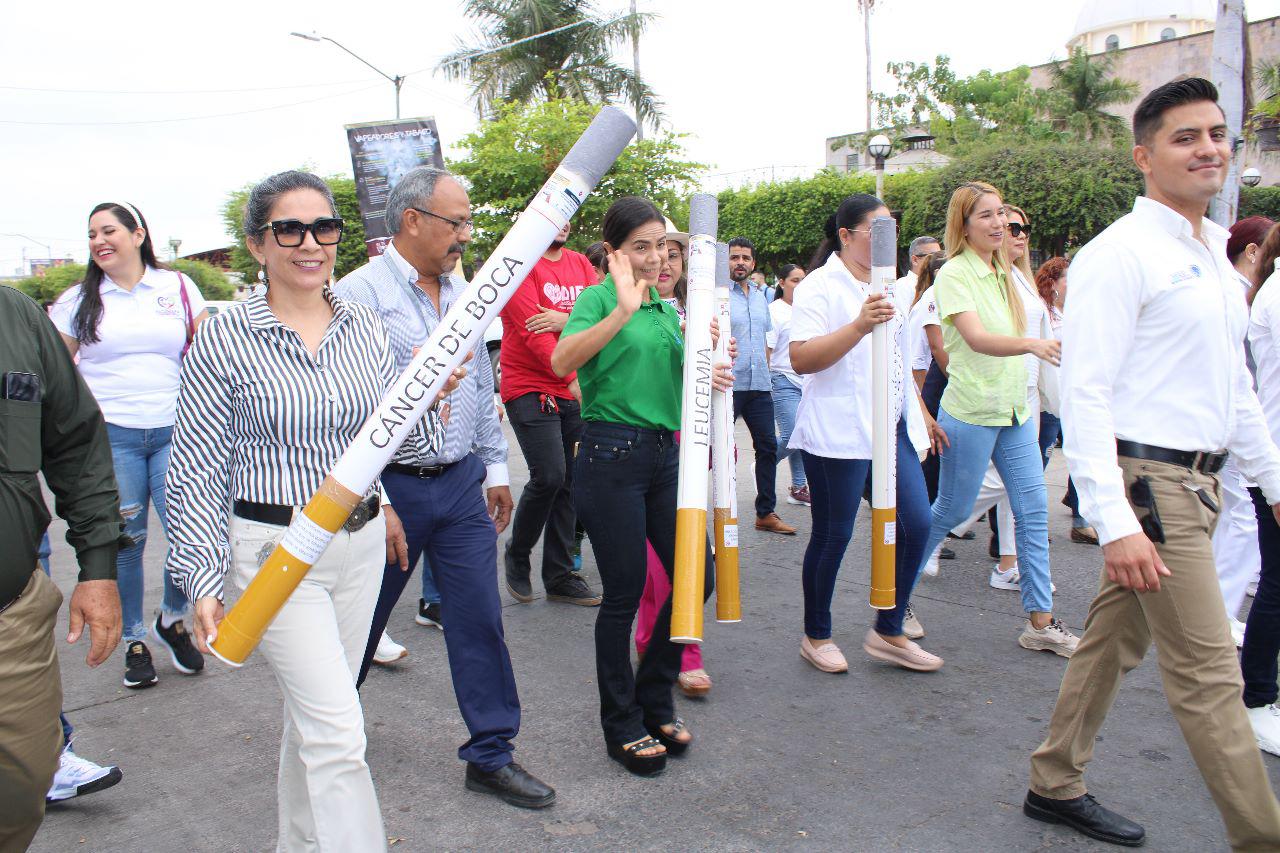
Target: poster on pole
[[381, 153]]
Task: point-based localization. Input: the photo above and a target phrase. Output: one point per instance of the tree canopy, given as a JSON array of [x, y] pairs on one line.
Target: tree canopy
[[575, 62], [509, 159]]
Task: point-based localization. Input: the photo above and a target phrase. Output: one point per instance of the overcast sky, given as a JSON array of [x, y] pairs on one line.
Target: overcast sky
[[170, 109]]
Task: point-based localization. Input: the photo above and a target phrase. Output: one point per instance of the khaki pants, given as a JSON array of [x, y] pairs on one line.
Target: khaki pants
[[30, 699], [1197, 660]]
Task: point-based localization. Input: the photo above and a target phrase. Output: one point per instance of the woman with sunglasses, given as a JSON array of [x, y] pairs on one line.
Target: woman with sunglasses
[[832, 318], [130, 321], [273, 392], [984, 410], [626, 345]]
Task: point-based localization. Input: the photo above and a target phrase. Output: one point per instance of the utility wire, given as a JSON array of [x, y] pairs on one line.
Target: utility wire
[[177, 91], [185, 118]]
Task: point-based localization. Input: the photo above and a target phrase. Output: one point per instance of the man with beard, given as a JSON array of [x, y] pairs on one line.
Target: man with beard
[[546, 415], [752, 383], [453, 504]]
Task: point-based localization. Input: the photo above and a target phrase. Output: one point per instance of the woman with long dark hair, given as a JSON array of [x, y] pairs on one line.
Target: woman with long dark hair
[[130, 321], [626, 346], [833, 315]]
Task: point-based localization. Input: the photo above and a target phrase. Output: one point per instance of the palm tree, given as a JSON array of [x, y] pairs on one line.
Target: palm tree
[[1081, 92], [574, 62]]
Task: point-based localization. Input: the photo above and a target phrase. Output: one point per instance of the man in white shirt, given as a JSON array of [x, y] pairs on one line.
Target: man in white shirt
[[1154, 390]]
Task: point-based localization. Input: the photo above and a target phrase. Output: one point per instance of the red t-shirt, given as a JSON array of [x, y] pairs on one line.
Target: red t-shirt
[[526, 357]]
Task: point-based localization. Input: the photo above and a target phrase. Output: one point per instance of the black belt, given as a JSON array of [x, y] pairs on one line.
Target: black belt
[[280, 515], [1206, 463], [422, 472]]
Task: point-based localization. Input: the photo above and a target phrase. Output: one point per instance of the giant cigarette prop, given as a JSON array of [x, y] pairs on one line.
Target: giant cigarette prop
[[884, 432], [724, 461], [415, 390], [688, 588]]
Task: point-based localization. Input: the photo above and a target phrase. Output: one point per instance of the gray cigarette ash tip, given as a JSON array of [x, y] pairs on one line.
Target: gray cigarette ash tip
[[600, 144], [704, 214], [722, 264], [884, 242]]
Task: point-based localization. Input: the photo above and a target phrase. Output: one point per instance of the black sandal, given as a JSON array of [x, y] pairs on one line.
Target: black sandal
[[641, 765], [674, 746]]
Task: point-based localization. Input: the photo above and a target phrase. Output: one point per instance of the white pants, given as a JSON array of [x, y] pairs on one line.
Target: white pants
[[325, 794], [993, 493], [1235, 540]]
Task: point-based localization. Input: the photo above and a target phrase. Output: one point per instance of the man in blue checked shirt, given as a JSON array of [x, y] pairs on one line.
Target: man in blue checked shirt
[[453, 504], [752, 384]]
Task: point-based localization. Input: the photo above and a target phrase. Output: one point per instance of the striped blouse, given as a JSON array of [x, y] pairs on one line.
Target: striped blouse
[[261, 419]]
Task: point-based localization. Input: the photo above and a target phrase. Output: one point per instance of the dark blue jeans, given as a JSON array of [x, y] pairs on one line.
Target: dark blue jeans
[[756, 408], [836, 487], [624, 489], [1262, 630], [445, 519]]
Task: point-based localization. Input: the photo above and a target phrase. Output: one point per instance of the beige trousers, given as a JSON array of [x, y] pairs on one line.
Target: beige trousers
[[1197, 661], [30, 699], [325, 794]]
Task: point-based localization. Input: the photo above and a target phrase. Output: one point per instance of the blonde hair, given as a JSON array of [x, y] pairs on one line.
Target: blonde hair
[[963, 201], [1023, 263]]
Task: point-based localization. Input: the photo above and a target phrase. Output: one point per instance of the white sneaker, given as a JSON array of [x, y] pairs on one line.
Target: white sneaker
[[1266, 727], [1011, 579], [931, 567], [388, 651], [78, 776], [1237, 633], [911, 626], [1053, 637], [1005, 580]]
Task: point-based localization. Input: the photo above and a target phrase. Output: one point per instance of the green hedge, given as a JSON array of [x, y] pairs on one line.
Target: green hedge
[[1260, 201], [1071, 191], [209, 280]]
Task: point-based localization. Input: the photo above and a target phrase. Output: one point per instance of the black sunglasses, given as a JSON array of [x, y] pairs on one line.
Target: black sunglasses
[[290, 233], [1017, 229], [1140, 494]]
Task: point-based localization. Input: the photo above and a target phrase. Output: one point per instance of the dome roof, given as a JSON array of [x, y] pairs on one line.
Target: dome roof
[[1097, 14]]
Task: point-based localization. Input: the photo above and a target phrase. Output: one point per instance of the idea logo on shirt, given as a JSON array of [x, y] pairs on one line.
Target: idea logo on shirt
[[167, 306], [559, 294]]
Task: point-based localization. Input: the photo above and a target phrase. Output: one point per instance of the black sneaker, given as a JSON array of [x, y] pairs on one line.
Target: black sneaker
[[574, 590], [517, 577], [429, 614], [184, 654], [138, 670]]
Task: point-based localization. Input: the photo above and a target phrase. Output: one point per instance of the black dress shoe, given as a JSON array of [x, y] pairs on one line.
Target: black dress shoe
[[946, 554], [1083, 814], [512, 783]]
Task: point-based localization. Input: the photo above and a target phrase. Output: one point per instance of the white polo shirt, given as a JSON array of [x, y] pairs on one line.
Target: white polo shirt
[[1264, 343], [923, 313], [834, 417], [1152, 352], [134, 368], [1037, 327], [778, 340]]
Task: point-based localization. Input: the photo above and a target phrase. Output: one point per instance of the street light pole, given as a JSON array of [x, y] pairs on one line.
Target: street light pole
[[396, 81], [635, 60], [879, 148]]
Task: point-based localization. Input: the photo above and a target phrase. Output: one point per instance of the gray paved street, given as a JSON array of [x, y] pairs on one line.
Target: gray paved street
[[786, 756]]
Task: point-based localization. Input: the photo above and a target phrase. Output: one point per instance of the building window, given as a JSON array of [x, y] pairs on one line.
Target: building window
[[1113, 42], [1167, 33], [851, 163]]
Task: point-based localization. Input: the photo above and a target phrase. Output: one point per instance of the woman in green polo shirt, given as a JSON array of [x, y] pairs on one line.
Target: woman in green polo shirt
[[627, 347], [984, 409]]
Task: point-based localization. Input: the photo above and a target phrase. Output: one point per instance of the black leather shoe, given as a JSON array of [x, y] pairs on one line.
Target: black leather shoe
[[517, 577], [1085, 815], [512, 783], [946, 554]]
